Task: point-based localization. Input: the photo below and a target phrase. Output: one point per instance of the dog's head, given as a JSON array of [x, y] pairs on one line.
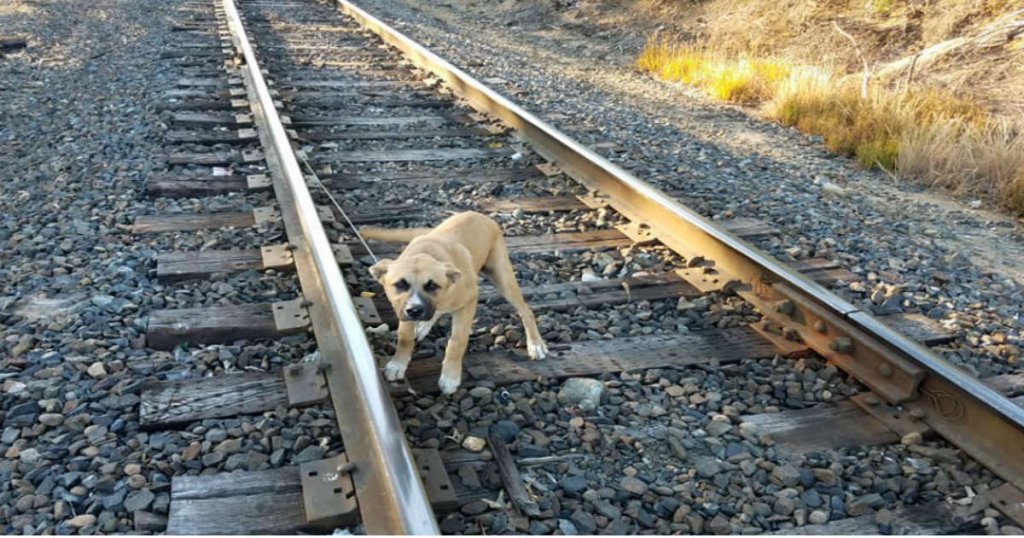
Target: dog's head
[[415, 284]]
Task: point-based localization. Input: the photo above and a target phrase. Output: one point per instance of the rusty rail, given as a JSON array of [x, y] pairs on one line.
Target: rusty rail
[[969, 414], [389, 491]]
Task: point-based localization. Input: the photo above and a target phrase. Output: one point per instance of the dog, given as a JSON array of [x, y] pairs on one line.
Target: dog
[[436, 274]]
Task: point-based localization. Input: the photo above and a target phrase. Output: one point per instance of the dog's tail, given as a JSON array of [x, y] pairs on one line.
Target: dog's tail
[[392, 235]]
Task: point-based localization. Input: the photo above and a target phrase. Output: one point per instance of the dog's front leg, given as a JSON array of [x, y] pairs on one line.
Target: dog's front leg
[[395, 368], [451, 369]]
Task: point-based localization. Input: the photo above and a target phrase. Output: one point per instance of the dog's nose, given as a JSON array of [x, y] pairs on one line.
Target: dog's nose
[[415, 311]]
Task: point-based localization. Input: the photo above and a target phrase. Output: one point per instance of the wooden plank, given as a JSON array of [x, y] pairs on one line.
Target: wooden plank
[[191, 53], [828, 277], [197, 93], [238, 136], [216, 324], [175, 266], [196, 264], [206, 186], [600, 356], [390, 121], [300, 103], [530, 243], [351, 93], [538, 204], [812, 264], [925, 330], [200, 104], [510, 478], [334, 83], [256, 502], [209, 119], [220, 83], [568, 360], [177, 402], [396, 135], [471, 175], [186, 222], [262, 513], [212, 158], [822, 428], [280, 480], [410, 155], [573, 240], [597, 294]]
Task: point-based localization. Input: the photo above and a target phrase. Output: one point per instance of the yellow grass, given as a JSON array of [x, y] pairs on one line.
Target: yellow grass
[[927, 136]]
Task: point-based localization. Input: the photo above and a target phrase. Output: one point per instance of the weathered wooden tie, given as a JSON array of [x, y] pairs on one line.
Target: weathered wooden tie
[[172, 186], [169, 328], [310, 497], [203, 263]]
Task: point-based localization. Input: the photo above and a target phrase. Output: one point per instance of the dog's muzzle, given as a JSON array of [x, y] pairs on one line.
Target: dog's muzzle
[[418, 309]]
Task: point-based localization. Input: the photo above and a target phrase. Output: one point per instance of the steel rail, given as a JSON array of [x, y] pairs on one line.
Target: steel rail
[[389, 491], [981, 421]]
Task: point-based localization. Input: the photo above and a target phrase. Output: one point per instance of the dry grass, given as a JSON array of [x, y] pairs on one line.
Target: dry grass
[[926, 136]]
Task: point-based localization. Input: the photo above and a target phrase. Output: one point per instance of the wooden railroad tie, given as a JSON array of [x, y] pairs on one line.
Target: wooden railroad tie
[[188, 222], [316, 496]]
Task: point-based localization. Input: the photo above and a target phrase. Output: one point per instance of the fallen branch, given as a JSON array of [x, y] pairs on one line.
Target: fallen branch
[[867, 68], [510, 477], [996, 34]]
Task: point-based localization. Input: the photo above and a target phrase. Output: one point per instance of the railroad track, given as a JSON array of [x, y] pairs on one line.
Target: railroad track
[[322, 115]]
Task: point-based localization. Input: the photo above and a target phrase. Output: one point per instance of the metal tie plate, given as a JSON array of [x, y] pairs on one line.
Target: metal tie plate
[[305, 384], [328, 494], [290, 315], [277, 256]]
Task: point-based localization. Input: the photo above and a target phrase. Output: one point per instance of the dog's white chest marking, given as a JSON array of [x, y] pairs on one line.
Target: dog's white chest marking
[[423, 327]]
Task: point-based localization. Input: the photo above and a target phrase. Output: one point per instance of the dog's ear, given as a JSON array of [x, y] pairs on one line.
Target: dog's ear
[[380, 268], [452, 273]]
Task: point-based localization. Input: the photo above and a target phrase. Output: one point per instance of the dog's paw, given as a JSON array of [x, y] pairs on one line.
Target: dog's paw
[[449, 382], [537, 351], [395, 370], [423, 329]]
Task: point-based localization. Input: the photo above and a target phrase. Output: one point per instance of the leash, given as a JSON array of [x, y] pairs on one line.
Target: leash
[[320, 184]]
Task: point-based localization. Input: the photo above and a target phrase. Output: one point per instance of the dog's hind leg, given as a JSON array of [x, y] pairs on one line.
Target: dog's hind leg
[[395, 368], [451, 368], [499, 269]]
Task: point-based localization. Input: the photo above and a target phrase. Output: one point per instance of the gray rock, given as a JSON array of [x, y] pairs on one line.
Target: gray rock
[[51, 420], [818, 517], [149, 522], [716, 428], [138, 500], [864, 504], [505, 430], [583, 521], [567, 528], [720, 525], [787, 475], [30, 456], [607, 509], [573, 484], [633, 485], [707, 467], [581, 391], [310, 453], [473, 508]]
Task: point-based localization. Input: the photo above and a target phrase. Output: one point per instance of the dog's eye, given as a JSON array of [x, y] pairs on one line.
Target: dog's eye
[[430, 286], [402, 285]]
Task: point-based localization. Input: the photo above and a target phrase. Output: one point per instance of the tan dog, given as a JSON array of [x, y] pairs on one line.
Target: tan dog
[[437, 274]]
